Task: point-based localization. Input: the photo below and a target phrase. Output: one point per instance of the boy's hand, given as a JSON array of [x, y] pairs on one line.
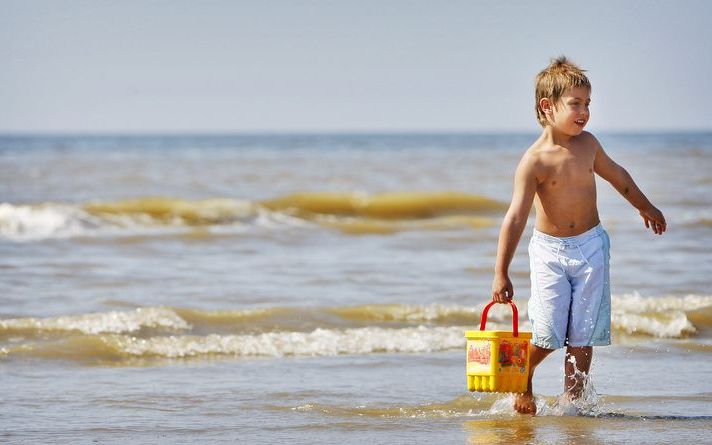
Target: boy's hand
[[654, 219], [502, 290]]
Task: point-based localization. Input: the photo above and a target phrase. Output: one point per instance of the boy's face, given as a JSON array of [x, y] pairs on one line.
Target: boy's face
[[570, 114]]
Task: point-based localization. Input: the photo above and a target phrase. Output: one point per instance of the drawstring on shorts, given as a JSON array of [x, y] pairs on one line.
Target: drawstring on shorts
[[582, 255], [569, 242]]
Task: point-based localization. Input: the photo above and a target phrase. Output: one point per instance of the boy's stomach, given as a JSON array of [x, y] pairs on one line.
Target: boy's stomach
[[566, 225]]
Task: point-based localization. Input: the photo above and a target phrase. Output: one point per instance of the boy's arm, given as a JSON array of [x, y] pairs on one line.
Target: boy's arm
[[621, 180], [525, 183]]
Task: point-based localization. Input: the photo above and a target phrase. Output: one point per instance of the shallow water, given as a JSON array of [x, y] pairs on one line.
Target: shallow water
[[316, 289]]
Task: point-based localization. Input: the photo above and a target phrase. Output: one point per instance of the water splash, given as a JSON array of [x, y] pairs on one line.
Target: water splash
[[588, 404]]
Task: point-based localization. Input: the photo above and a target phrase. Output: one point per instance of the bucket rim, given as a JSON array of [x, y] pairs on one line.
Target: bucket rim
[[497, 334]]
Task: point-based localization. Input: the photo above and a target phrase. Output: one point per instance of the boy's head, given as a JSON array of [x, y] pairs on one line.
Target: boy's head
[[554, 80]]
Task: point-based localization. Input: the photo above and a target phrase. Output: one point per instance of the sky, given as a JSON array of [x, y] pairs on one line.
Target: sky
[[259, 66]]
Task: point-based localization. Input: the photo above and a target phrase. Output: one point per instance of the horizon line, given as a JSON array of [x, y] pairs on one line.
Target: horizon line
[[341, 132]]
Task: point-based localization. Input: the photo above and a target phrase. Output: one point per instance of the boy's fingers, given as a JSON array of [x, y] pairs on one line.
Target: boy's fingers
[[495, 296], [502, 296], [663, 225]]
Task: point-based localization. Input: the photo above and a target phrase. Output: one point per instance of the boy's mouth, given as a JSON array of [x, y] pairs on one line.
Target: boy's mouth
[[581, 122]]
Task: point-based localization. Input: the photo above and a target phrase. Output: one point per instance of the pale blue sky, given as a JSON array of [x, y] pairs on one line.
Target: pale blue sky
[[238, 66]]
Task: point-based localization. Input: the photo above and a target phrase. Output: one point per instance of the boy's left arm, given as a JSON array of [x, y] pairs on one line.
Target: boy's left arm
[[621, 180]]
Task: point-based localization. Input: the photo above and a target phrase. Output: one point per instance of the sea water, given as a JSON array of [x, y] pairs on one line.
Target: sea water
[[316, 289]]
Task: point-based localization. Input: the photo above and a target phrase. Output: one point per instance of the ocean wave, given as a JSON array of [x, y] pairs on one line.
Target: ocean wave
[[97, 323], [130, 217], [350, 213], [163, 332], [276, 318], [245, 320], [663, 317], [48, 220], [320, 342], [413, 205]]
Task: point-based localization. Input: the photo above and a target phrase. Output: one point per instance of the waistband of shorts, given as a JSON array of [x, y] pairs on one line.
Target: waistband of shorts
[[569, 241]]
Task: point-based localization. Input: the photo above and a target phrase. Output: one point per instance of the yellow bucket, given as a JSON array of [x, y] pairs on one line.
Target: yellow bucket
[[498, 361]]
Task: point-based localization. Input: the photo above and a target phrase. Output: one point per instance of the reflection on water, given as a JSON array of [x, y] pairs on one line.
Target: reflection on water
[[572, 430], [534, 430]]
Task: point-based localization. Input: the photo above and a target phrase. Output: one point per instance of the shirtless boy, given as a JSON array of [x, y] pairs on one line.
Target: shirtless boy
[[570, 304]]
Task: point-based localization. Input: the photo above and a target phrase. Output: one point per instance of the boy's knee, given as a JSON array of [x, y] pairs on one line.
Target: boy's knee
[[579, 350]]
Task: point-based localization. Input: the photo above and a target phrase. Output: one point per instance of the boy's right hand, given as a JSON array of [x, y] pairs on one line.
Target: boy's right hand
[[502, 290]]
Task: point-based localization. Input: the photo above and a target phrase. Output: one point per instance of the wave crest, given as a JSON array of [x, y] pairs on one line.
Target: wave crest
[[98, 323], [387, 205], [162, 332], [351, 213]]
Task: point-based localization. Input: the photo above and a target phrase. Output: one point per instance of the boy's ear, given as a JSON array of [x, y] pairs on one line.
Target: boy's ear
[[547, 107]]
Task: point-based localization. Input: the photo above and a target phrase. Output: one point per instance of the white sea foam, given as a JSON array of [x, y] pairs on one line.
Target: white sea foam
[[31, 222], [636, 303], [663, 317], [100, 322], [52, 220], [320, 342]]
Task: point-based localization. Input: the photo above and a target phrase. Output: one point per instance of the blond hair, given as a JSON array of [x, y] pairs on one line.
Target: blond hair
[[554, 80]]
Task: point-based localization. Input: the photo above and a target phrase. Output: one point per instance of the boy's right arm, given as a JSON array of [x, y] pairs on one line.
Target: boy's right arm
[[525, 183]]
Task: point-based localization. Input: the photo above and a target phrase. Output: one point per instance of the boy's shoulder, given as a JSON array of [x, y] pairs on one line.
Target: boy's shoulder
[[588, 138]]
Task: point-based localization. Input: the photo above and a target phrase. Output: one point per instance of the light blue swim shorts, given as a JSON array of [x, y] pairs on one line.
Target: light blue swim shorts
[[570, 302]]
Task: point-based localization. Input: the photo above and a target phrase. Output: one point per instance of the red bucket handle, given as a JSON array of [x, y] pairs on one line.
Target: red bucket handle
[[515, 317]]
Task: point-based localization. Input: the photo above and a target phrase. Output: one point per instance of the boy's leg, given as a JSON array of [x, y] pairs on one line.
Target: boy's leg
[[524, 402], [577, 363]]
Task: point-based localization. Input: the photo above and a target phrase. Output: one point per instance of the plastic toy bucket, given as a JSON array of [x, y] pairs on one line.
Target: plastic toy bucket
[[498, 361]]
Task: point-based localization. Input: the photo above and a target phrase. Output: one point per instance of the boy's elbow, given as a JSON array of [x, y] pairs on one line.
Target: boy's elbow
[[617, 177], [622, 177]]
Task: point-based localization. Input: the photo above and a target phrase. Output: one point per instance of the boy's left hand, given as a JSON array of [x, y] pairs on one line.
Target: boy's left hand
[[654, 219]]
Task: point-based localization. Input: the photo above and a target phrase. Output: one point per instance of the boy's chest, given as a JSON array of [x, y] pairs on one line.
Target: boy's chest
[[568, 169]]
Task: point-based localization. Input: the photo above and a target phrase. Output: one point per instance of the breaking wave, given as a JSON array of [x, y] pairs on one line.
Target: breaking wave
[[352, 213], [97, 323], [163, 332]]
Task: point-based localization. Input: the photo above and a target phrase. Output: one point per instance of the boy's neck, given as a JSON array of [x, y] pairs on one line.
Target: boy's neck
[[556, 138]]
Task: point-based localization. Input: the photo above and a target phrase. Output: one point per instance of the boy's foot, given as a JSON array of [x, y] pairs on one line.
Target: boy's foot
[[524, 403], [566, 405]]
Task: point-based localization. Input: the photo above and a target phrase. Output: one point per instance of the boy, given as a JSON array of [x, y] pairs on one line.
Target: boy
[[570, 298]]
